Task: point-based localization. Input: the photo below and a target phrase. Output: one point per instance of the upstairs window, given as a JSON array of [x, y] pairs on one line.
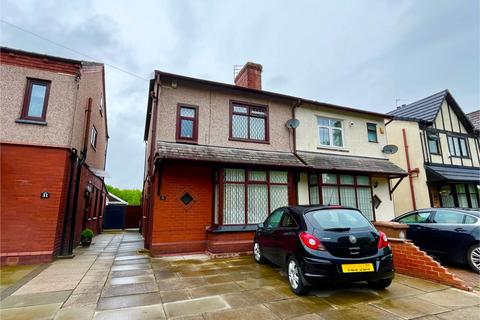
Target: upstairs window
[[330, 132], [372, 132], [36, 100], [248, 123], [187, 123], [93, 138], [457, 146], [433, 143]]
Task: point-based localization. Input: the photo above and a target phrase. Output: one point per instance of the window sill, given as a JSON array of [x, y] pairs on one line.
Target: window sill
[[250, 140], [186, 141], [36, 122], [233, 228], [332, 149]]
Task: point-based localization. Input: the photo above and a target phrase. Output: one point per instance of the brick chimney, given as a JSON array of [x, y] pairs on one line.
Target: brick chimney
[[250, 76]]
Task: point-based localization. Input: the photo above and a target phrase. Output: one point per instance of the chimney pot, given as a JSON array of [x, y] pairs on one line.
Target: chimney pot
[[250, 76]]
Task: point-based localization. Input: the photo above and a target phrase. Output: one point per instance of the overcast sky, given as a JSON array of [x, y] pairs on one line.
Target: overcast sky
[[363, 54]]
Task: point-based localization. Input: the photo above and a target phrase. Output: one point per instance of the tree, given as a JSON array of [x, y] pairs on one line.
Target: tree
[[132, 196]]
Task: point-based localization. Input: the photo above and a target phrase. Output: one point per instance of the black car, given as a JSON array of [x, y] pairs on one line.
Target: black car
[[446, 233], [324, 243]]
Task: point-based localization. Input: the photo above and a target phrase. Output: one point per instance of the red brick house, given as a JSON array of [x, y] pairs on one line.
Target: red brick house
[[53, 151], [220, 157]]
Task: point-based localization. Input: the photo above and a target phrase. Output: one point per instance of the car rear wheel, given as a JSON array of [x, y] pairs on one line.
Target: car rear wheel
[[473, 257], [295, 277], [257, 253], [380, 284]]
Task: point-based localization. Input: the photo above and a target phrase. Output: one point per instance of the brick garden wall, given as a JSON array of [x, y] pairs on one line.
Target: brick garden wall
[[29, 224], [410, 260]]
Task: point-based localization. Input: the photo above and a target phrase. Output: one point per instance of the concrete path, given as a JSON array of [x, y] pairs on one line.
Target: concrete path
[[111, 280]]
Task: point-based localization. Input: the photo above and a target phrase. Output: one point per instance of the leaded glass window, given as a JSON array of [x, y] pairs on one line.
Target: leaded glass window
[[187, 123], [249, 122]]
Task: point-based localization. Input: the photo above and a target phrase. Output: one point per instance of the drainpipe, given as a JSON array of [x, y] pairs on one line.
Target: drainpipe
[[81, 161], [409, 169], [151, 169], [296, 105]]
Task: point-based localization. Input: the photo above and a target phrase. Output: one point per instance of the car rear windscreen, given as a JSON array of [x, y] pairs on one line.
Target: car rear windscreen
[[338, 218]]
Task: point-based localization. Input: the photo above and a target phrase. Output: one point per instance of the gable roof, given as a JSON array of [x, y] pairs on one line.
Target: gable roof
[[113, 199], [426, 109], [474, 118]]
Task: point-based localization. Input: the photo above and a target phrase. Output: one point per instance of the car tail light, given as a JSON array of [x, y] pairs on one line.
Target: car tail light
[[383, 241], [310, 241]]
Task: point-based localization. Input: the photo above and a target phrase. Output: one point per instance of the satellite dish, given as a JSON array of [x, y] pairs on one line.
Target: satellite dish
[[390, 149], [292, 123]]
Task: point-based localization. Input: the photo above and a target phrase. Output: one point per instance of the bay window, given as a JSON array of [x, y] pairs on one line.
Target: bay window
[[342, 189], [250, 195], [330, 132]]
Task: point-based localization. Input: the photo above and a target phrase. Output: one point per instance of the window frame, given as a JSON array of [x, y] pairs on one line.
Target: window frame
[[438, 143], [178, 137], [338, 184], [249, 106], [454, 153], [221, 195], [28, 96], [370, 130], [330, 132], [93, 137]]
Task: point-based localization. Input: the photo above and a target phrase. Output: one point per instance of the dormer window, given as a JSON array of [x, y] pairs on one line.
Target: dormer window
[[330, 132]]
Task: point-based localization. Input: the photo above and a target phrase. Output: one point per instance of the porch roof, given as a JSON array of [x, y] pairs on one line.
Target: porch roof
[[215, 154], [452, 174], [333, 162]]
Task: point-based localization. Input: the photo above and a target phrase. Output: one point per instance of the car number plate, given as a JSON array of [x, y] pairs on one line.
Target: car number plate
[[357, 267]]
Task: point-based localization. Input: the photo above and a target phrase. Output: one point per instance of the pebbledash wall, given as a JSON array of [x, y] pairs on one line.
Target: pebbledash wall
[[37, 158]]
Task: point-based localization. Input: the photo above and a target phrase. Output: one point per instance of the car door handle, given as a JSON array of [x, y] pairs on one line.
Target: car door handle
[[459, 229]]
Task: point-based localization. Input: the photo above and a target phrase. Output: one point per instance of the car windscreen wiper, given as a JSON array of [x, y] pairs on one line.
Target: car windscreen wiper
[[337, 229]]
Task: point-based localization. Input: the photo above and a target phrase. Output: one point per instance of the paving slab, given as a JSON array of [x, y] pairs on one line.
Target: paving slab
[[258, 312], [41, 312], [76, 313], [420, 284], [174, 295], [84, 299], [132, 279], [130, 273], [135, 300], [410, 307], [34, 299], [452, 298], [126, 289], [358, 312], [212, 290], [139, 266], [350, 296], [138, 313], [461, 314], [195, 306], [286, 309]]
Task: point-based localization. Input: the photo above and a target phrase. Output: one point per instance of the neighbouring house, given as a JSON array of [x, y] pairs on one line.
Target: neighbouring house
[[439, 147], [220, 157], [53, 151], [474, 118]]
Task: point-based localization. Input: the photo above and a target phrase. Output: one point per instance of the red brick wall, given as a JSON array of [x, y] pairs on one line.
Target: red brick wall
[[231, 242], [36, 62], [176, 227], [410, 260], [250, 76], [29, 224]]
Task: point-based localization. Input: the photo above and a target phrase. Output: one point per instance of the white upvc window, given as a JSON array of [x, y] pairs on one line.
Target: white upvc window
[[330, 132]]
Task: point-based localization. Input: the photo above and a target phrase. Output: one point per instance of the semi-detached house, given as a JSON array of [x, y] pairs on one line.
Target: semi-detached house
[[221, 157], [53, 151]]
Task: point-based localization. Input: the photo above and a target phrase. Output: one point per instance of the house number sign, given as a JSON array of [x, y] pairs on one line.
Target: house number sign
[[44, 195]]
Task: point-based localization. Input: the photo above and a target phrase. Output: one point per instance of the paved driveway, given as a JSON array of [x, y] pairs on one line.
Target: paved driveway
[[111, 281]]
